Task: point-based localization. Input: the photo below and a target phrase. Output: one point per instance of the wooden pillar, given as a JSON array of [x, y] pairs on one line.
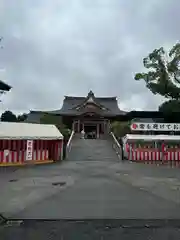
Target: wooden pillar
[[108, 126], [78, 126], [104, 126], [97, 130], [73, 128]]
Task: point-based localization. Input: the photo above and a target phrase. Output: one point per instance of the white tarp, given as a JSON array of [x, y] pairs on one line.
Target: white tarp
[[152, 137], [11, 130]]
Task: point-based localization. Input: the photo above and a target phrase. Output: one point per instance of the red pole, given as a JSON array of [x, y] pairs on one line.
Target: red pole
[[163, 150]]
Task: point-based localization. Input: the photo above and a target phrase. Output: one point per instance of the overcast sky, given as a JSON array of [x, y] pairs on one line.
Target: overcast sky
[[67, 47]]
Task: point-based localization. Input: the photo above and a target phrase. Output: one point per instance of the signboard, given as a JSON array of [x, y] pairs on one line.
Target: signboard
[[140, 126], [6, 152], [29, 150]]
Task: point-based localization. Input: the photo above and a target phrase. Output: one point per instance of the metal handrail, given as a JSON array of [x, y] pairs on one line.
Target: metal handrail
[[117, 147], [68, 146]]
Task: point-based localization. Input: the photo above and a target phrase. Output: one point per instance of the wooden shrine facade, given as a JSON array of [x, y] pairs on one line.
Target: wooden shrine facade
[[93, 113]]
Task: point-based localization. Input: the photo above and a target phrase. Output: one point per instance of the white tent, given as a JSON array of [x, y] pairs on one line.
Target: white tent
[[152, 137], [18, 130]]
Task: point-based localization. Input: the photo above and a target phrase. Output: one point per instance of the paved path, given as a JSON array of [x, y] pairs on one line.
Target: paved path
[[91, 189]]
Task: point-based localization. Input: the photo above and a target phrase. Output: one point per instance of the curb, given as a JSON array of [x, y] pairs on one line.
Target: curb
[[25, 164]]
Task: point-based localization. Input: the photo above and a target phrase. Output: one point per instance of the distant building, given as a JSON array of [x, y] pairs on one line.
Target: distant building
[[89, 113], [93, 113]]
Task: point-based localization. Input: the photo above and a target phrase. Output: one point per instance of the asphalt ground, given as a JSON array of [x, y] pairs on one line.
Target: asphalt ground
[[93, 190]]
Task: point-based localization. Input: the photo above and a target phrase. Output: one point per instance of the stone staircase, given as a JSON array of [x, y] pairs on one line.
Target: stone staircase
[[92, 150]]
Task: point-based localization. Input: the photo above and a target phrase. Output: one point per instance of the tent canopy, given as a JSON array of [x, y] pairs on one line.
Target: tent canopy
[[152, 137], [15, 130]]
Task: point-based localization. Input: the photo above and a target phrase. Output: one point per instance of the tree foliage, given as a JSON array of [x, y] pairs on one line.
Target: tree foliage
[[163, 75], [22, 117], [56, 120], [120, 128], [171, 106], [8, 116], [49, 119], [171, 111]]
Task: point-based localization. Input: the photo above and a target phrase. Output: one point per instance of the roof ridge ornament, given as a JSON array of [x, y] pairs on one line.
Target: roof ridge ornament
[[90, 94], [90, 100]]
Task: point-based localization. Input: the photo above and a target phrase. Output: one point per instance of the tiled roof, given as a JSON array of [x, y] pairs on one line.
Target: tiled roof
[[147, 120], [70, 104], [34, 117], [108, 106]]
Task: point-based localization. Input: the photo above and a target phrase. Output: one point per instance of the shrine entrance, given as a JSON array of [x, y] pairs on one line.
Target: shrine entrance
[[97, 127], [91, 131], [90, 128]]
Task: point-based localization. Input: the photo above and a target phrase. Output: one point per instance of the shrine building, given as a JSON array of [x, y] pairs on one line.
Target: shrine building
[[90, 113], [93, 113]]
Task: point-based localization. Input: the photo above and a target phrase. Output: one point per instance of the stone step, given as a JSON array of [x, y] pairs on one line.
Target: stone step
[[92, 150]]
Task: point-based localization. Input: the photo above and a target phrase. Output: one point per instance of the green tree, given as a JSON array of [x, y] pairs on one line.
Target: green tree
[[8, 116], [171, 106], [56, 120], [163, 75], [120, 128], [171, 110], [50, 119], [22, 117]]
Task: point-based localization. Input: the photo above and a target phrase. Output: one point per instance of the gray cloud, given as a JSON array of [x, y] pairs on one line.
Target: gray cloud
[[57, 48]]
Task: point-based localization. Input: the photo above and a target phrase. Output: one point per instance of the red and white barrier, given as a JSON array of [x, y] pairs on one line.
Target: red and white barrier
[[40, 155], [24, 151], [20, 157], [144, 155], [11, 157], [170, 156], [163, 149]]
